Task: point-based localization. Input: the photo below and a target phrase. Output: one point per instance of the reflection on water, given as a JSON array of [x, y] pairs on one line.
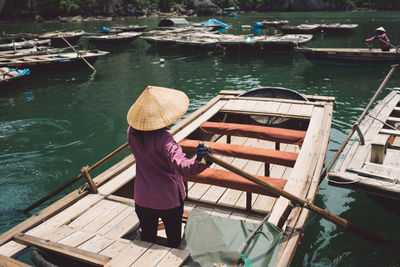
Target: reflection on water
[[54, 123]]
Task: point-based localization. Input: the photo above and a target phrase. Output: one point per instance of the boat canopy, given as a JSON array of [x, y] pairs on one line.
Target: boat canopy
[[177, 22], [214, 22]]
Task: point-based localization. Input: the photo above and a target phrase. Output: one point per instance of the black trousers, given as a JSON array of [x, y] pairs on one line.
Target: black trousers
[[172, 219]]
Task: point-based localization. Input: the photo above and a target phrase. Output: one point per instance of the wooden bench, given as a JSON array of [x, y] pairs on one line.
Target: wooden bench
[[278, 135], [231, 180], [284, 158]]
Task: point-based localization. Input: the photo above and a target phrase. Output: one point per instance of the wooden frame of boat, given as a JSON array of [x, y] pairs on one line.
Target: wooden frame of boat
[[129, 28], [24, 44], [52, 60], [41, 50], [287, 41], [71, 36], [229, 41], [356, 56], [315, 28], [370, 163], [88, 226], [122, 37]]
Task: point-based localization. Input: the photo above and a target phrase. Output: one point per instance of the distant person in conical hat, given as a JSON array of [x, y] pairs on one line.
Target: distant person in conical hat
[[159, 191], [383, 40]]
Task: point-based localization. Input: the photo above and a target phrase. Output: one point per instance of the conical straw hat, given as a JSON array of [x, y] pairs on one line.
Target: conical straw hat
[[156, 108], [380, 29]]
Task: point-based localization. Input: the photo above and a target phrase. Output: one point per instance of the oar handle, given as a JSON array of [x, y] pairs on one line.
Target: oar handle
[[301, 202]]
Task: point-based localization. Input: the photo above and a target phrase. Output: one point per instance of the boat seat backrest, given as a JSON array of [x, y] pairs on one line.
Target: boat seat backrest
[[278, 157], [279, 135]]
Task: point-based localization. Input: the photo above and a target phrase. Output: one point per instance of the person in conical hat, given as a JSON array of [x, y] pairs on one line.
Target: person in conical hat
[[159, 191], [383, 40]]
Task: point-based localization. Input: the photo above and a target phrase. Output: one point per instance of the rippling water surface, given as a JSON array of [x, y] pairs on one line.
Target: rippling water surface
[[52, 124]]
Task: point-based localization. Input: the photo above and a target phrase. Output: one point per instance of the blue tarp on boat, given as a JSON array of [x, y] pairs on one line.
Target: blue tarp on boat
[[213, 22]]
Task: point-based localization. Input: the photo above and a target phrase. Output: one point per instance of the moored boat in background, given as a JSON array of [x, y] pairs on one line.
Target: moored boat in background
[[353, 56], [53, 61], [122, 37], [59, 37], [24, 44], [370, 162]]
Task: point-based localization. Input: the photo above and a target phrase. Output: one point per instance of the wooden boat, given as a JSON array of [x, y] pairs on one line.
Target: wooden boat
[[354, 56], [24, 44], [56, 37], [314, 28], [18, 37], [302, 28], [284, 141], [229, 41], [123, 37], [52, 61], [39, 50], [8, 74], [273, 23], [283, 42], [338, 27], [129, 28], [370, 162]]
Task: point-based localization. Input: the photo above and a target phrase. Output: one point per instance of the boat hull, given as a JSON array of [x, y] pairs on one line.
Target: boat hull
[[52, 62], [350, 56]]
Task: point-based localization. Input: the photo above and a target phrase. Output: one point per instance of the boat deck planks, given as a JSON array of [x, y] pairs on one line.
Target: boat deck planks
[[355, 169]]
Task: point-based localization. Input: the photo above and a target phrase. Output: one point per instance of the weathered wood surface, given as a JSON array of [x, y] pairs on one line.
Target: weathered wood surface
[[100, 180], [95, 223], [372, 167], [10, 262]]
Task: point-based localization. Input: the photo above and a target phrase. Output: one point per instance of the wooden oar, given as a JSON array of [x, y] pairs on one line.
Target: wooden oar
[[77, 53], [301, 202], [355, 125], [72, 181]]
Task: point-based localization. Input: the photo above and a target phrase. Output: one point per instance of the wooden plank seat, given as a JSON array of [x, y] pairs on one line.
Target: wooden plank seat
[[284, 158], [231, 180], [279, 135]]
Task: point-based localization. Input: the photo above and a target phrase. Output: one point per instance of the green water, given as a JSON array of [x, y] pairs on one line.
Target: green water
[[52, 124]]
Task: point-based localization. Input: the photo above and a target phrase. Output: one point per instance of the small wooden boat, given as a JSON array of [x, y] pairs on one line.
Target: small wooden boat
[[129, 28], [18, 37], [302, 28], [338, 27], [122, 37], [314, 28], [229, 41], [273, 23], [370, 162], [57, 37], [39, 50], [283, 42], [283, 141], [352, 56], [8, 74], [24, 44], [52, 61]]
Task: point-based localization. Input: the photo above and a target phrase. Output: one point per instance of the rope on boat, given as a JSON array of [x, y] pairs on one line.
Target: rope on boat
[[337, 182]]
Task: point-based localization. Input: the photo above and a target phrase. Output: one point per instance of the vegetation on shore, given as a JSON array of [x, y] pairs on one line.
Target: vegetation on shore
[[53, 8]]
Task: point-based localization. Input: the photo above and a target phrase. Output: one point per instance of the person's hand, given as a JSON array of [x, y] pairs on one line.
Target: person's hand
[[201, 151]]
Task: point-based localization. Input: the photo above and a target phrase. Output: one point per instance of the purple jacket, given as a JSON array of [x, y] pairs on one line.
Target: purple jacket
[[160, 165], [383, 40]]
